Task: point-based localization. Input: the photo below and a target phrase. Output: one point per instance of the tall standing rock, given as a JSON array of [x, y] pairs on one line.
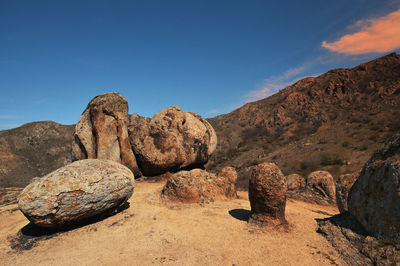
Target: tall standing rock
[[374, 199], [171, 140], [102, 132], [267, 194]]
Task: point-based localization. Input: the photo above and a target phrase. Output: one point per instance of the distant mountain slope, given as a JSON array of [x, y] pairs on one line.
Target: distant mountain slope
[[334, 121], [33, 149]]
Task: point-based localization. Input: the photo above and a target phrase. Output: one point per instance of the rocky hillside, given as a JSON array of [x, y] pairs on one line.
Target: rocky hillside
[[334, 122], [33, 149]]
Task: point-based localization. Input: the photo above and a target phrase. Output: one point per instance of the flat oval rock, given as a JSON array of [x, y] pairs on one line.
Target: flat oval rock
[[76, 192]]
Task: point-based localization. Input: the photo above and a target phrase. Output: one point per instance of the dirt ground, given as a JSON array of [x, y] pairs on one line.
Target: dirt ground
[[153, 232]]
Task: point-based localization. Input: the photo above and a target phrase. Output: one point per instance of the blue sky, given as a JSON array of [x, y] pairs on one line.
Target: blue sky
[[209, 57]]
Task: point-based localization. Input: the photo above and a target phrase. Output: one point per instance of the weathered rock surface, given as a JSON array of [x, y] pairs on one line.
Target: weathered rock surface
[[267, 194], [322, 183], [354, 244], [295, 182], [227, 177], [197, 186], [171, 140], [102, 132], [76, 192], [343, 186], [374, 199]]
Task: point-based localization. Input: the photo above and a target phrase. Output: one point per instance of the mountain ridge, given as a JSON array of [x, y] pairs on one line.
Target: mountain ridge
[[351, 103], [333, 122]]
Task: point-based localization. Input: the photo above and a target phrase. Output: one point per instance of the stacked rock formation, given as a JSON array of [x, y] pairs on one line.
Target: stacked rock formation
[[102, 132], [76, 192], [374, 199], [170, 141], [197, 186], [267, 195]]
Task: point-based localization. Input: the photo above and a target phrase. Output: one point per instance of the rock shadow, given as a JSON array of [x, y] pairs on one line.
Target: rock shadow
[[240, 214], [30, 234], [345, 220]]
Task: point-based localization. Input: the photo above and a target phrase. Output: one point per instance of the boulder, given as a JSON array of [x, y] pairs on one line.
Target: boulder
[[295, 182], [267, 195], [343, 185], [76, 192], [227, 177], [102, 132], [322, 183], [374, 199], [197, 186], [171, 140]]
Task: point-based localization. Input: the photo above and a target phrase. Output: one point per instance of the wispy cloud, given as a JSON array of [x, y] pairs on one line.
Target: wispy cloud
[[213, 112], [5, 117], [275, 83], [378, 35]]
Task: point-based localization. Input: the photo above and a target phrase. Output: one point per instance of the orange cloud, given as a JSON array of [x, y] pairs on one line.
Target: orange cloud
[[379, 35]]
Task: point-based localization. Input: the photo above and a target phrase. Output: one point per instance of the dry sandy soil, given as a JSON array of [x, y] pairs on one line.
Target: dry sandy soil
[[153, 232]]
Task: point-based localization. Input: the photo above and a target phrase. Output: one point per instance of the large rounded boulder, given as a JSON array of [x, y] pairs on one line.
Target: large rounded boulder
[[197, 186], [171, 140], [102, 132], [267, 195], [322, 184], [76, 192], [374, 199]]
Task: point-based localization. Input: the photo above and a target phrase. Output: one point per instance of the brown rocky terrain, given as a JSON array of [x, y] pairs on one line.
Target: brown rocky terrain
[[332, 122], [33, 150], [152, 231]]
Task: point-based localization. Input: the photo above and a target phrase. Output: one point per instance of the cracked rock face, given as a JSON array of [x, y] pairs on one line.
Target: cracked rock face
[[102, 132], [171, 140], [343, 186], [374, 199], [322, 183], [76, 192]]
